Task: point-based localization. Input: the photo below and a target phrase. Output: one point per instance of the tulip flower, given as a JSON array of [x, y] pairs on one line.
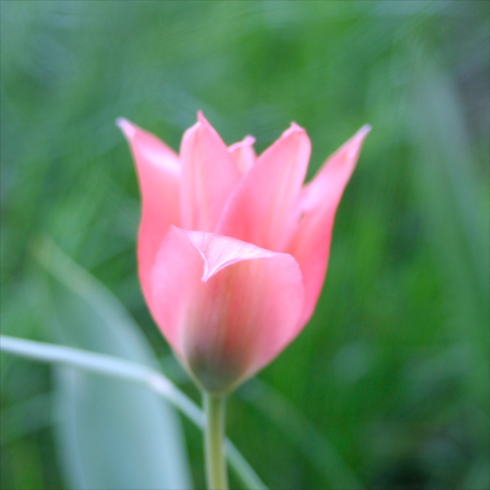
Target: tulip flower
[[233, 248], [232, 252]]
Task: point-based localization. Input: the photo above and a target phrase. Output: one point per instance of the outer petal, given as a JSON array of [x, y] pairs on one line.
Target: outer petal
[[243, 153], [209, 175], [311, 242], [226, 307], [159, 170], [260, 209]]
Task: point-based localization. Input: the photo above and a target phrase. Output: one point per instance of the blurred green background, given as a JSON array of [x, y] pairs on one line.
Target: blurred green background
[[388, 385]]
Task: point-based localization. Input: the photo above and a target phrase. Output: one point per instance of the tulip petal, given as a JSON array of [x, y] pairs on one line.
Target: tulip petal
[[159, 170], [226, 307], [243, 154], [320, 198], [259, 210], [209, 175]]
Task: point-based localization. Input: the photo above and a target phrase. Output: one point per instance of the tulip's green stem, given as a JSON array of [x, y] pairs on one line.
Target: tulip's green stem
[[214, 408]]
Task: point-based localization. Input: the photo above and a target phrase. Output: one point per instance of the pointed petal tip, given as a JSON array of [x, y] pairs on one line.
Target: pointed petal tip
[[361, 134], [247, 141], [357, 140], [295, 127], [364, 130], [200, 118], [202, 122], [292, 130], [126, 127]]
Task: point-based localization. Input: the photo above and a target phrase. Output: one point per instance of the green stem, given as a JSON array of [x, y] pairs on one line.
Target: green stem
[[214, 407]]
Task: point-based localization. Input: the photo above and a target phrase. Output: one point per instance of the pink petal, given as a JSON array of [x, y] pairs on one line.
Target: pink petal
[[158, 170], [243, 154], [226, 307], [311, 243], [260, 209], [209, 176]]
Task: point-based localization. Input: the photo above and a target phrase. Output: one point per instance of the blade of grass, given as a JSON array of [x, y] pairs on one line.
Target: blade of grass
[[132, 372]]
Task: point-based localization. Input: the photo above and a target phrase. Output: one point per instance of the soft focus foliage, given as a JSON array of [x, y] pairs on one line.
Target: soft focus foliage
[[388, 385]]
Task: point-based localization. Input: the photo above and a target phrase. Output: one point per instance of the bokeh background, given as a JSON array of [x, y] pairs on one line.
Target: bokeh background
[[388, 385]]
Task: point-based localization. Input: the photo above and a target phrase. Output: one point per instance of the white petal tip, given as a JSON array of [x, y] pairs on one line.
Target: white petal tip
[[126, 127], [357, 139], [364, 130]]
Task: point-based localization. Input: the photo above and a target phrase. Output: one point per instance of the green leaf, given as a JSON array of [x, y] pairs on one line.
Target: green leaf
[[110, 434]]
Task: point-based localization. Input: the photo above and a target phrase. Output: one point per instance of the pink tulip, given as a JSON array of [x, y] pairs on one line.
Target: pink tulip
[[233, 248]]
